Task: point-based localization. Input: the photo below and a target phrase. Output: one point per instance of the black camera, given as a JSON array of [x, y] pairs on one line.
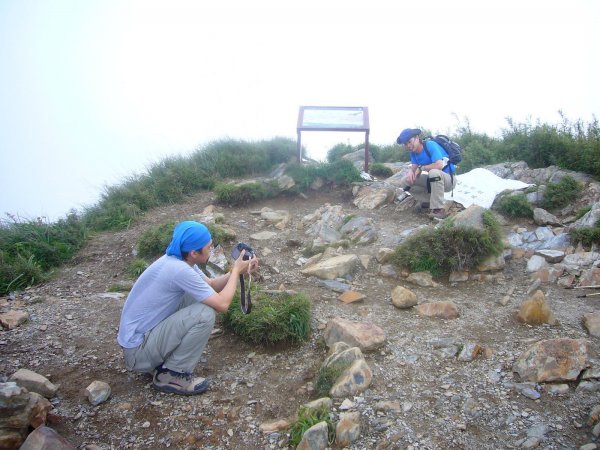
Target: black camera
[[235, 253]]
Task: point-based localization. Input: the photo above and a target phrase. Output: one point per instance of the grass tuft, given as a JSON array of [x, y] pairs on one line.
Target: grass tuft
[[308, 418], [514, 206], [380, 170], [561, 194], [136, 267], [327, 376], [284, 319], [587, 236], [441, 250]]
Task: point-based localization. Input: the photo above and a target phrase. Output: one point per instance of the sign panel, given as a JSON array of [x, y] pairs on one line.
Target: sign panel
[[334, 118]]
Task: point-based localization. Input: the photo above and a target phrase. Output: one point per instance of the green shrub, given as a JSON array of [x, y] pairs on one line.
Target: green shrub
[[18, 272], [343, 173], [273, 320], [515, 205], [31, 248], [336, 152], [447, 248], [154, 241], [587, 236], [237, 158], [389, 153], [111, 214], [340, 172], [242, 194], [561, 194], [220, 235], [308, 418], [380, 170], [305, 174]]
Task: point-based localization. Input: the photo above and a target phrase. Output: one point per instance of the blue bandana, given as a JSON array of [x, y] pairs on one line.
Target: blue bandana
[[188, 236]]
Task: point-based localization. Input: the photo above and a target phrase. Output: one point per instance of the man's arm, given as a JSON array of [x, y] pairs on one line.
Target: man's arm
[[225, 285], [439, 164], [219, 282], [221, 300]]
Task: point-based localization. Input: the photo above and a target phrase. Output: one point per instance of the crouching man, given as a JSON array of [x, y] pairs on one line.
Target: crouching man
[[170, 311], [430, 169]]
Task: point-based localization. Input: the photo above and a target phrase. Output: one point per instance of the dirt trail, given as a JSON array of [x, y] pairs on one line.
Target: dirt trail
[[445, 403]]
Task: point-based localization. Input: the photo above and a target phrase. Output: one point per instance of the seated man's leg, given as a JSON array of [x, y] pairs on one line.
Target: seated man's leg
[[177, 342], [440, 182]]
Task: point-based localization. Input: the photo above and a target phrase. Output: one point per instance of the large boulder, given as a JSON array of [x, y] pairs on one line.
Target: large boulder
[[331, 268], [553, 360], [20, 410], [364, 335]]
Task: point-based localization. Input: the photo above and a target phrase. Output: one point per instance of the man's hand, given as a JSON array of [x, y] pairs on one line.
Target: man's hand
[[245, 266], [413, 175]]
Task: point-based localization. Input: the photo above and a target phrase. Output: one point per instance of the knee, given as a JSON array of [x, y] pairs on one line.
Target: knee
[[208, 315], [203, 314]]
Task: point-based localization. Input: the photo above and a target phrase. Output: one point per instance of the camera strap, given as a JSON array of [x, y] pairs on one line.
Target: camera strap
[[245, 297]]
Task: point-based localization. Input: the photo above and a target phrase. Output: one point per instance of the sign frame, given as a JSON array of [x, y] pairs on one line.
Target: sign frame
[[334, 118]]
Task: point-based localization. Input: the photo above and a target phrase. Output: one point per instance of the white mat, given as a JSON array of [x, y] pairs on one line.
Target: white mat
[[480, 187]]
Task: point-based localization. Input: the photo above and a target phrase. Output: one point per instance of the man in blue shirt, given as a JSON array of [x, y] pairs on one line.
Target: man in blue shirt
[[430, 169], [170, 311]]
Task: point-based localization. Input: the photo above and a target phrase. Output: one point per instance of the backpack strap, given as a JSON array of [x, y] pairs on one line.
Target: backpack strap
[[425, 148]]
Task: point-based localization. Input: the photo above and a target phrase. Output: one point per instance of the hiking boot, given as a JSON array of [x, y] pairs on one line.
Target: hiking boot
[[403, 196], [181, 383], [438, 214]]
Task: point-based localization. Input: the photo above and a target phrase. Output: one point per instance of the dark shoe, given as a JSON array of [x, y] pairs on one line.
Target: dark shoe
[[438, 214], [166, 380], [424, 205]]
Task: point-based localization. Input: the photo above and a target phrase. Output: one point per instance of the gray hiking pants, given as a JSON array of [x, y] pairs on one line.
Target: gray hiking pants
[[444, 183], [177, 342]]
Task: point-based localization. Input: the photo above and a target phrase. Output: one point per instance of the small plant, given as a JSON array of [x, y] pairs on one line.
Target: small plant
[[136, 267], [448, 248], [587, 236], [515, 206], [561, 194], [19, 272], [348, 218], [231, 194], [155, 240], [312, 250], [305, 175], [327, 376], [336, 152], [426, 263], [285, 319], [339, 172], [582, 212], [308, 418], [380, 170], [343, 173], [219, 234]]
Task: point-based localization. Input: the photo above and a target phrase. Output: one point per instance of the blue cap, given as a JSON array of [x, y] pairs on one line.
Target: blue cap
[[406, 134], [188, 236]]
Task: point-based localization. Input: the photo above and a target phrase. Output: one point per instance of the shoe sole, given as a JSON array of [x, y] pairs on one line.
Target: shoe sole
[[173, 390]]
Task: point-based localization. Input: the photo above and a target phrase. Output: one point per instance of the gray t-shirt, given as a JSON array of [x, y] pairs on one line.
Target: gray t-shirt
[[156, 295]]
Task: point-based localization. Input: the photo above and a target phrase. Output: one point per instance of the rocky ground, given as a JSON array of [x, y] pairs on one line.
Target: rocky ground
[[441, 402]]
